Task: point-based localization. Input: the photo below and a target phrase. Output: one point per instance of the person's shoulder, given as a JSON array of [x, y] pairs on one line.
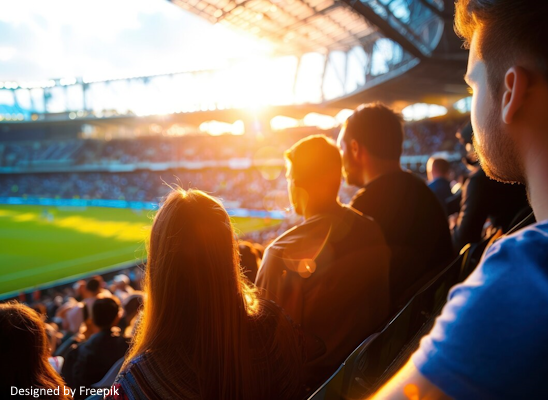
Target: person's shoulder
[[438, 183], [131, 365], [356, 216], [358, 198], [284, 239], [478, 180], [529, 243], [413, 179], [512, 264]]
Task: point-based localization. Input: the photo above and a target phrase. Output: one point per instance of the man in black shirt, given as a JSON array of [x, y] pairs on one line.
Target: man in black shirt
[[330, 273], [88, 362], [409, 214]]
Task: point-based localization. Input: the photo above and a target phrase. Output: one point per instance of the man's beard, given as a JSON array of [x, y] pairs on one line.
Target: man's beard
[[497, 152], [351, 173]]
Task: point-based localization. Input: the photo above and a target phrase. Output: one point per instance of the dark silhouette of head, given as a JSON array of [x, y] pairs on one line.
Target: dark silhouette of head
[[24, 347], [370, 141], [106, 312], [437, 167], [313, 172], [93, 286]]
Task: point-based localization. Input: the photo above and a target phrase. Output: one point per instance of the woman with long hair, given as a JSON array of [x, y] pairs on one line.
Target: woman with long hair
[[24, 352], [204, 333]]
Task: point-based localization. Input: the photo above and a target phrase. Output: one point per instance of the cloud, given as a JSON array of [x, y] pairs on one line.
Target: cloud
[[7, 53], [99, 39]]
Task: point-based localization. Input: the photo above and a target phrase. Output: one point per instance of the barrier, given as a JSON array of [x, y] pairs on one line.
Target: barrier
[[135, 205]]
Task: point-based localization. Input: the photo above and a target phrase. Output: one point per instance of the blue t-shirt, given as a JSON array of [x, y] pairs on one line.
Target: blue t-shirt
[[491, 339]]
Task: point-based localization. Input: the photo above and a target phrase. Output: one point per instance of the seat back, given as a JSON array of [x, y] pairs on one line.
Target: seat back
[[110, 376], [332, 388], [382, 354], [66, 346], [391, 348]]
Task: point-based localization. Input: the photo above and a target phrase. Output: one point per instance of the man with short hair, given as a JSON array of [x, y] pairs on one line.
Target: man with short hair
[[88, 362], [437, 171], [411, 218], [330, 273], [490, 340]]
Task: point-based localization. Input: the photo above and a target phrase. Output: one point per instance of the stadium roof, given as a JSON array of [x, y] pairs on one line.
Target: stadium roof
[[299, 26], [293, 26], [423, 59]]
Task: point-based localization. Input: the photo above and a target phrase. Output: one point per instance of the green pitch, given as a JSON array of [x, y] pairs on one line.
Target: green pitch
[[39, 245]]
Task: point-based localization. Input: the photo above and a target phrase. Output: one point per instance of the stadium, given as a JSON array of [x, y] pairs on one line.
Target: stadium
[[271, 199]]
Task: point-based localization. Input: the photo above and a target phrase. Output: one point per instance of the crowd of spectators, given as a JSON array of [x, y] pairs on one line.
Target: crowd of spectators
[[247, 189], [334, 280], [421, 138], [88, 327], [431, 136]]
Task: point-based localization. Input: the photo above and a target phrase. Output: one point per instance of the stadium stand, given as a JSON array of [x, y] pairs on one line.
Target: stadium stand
[[421, 138]]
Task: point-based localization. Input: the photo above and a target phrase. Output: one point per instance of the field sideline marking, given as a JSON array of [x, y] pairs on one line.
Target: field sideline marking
[[62, 264]]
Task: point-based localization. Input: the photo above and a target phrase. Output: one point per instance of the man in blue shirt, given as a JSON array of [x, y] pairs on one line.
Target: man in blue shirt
[[490, 342], [438, 170]]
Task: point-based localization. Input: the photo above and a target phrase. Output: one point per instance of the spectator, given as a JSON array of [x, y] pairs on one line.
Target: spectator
[[89, 361], [95, 290], [490, 340], [80, 312], [331, 270], [483, 199], [54, 339], [410, 216], [132, 306], [204, 333], [438, 170], [123, 289], [79, 290], [25, 351], [73, 314]]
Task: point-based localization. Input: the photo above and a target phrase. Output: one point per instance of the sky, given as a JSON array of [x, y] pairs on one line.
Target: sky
[[103, 39], [106, 39]]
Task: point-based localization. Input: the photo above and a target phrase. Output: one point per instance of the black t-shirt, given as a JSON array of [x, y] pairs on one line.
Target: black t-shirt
[[331, 275], [484, 198], [414, 226]]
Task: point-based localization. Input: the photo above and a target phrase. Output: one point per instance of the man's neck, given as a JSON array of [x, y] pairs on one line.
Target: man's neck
[[537, 186], [435, 178], [377, 171], [322, 208]]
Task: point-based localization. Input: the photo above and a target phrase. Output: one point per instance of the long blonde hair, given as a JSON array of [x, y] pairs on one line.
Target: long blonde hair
[[199, 311]]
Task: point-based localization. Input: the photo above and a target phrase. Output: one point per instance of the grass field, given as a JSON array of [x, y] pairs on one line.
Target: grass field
[[39, 245]]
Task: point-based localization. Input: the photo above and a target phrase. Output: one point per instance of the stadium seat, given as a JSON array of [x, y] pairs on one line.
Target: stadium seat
[[110, 376], [332, 388], [66, 346], [383, 353]]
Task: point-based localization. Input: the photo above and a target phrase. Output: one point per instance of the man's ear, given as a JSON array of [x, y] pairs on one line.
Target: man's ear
[[516, 83], [354, 149]]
